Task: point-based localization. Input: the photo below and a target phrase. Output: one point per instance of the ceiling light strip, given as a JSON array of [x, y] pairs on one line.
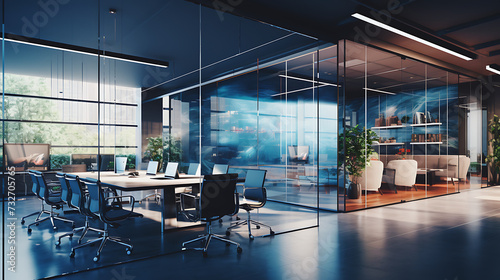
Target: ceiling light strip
[[307, 80], [90, 52], [495, 68], [408, 35], [380, 91]]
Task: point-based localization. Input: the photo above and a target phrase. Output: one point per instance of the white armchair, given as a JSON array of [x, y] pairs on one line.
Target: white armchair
[[371, 179], [401, 173]]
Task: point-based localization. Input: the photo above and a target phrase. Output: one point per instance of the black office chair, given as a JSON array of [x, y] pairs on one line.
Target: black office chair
[[53, 199], [79, 198], [109, 210], [254, 197], [218, 198], [220, 169], [36, 190]]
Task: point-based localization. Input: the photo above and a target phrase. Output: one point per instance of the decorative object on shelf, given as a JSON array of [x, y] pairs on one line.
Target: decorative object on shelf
[[493, 157], [430, 137], [356, 145], [380, 121], [418, 118], [405, 119], [403, 153], [391, 121], [428, 117]]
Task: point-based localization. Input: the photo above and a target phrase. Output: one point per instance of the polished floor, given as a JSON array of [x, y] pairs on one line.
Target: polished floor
[[449, 237]]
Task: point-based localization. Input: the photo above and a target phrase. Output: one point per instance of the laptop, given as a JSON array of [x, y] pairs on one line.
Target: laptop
[[171, 172], [121, 164], [152, 167]]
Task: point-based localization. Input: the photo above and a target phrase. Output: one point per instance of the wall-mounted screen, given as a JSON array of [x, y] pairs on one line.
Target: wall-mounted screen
[[27, 156]]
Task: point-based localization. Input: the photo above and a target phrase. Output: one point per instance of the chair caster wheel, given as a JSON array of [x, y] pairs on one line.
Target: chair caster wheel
[[257, 227], [36, 224], [72, 254], [251, 237], [58, 243], [96, 258], [271, 233], [237, 218], [70, 236], [129, 251], [29, 231], [22, 222], [228, 233], [55, 228], [205, 254], [239, 250]]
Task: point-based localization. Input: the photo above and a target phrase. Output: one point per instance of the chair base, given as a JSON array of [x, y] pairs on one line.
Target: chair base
[[85, 229], [248, 222], [105, 238], [39, 213], [52, 216], [207, 238], [156, 195]]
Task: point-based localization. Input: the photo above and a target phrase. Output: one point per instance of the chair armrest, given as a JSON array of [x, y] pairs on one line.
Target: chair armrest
[[195, 198], [123, 196]]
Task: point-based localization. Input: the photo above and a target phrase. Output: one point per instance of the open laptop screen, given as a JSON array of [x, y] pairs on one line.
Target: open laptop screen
[[171, 170], [152, 167]]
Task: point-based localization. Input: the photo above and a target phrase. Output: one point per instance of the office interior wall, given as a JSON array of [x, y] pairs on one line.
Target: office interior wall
[[417, 112]]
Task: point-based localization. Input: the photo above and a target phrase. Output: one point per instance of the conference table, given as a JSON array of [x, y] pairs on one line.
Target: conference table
[[144, 182]]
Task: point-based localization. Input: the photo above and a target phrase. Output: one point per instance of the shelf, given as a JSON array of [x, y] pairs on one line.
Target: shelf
[[391, 126], [388, 144], [425, 143], [425, 124]]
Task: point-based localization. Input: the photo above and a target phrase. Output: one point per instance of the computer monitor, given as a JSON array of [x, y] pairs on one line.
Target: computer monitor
[[152, 168], [171, 170], [121, 164]]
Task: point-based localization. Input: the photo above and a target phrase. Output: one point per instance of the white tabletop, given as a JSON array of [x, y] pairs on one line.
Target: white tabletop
[[141, 182]]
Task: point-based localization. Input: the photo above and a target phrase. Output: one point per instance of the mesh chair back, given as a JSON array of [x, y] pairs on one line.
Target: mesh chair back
[[220, 169], [42, 187], [65, 190], [254, 185], [36, 187], [218, 196], [93, 188], [77, 192]]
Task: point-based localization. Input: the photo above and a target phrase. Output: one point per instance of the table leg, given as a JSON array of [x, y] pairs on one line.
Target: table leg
[[169, 209]]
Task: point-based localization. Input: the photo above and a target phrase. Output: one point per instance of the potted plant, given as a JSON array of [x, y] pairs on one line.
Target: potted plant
[[154, 150], [494, 158], [356, 147]]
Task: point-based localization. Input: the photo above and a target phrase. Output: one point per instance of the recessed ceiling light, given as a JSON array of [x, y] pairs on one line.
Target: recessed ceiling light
[[495, 68], [112, 11], [415, 38]]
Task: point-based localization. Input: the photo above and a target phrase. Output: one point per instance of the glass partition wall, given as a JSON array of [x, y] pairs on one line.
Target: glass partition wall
[[235, 92], [409, 115]]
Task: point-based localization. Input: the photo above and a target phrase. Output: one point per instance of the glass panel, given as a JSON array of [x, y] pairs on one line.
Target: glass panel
[[259, 111], [412, 109]]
